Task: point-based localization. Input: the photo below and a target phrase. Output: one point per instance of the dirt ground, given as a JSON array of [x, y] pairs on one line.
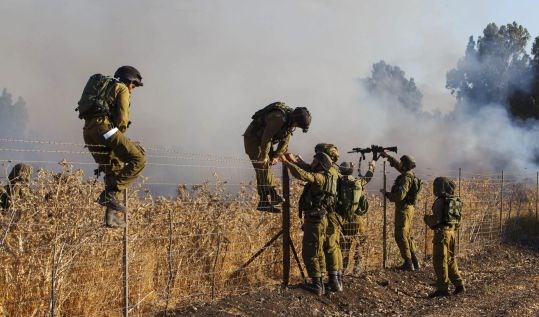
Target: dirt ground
[[502, 281]]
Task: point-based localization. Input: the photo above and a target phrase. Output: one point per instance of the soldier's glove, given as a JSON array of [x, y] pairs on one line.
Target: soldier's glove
[[383, 154]]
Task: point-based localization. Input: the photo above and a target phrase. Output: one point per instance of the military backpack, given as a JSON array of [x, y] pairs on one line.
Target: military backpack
[[317, 203], [351, 200], [95, 100], [452, 210], [258, 117], [414, 191]]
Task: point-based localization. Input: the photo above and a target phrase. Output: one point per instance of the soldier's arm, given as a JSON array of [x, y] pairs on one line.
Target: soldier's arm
[[400, 191], [282, 147], [303, 175], [436, 217], [121, 120], [274, 122], [395, 163], [369, 174]]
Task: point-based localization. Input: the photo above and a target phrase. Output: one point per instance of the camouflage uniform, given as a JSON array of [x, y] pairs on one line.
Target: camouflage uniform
[[444, 240], [259, 139], [404, 210], [321, 249], [121, 159], [354, 232], [18, 177]]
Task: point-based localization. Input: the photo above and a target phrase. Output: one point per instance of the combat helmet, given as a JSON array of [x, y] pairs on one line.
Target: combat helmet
[[129, 74], [408, 162], [346, 168], [324, 160], [302, 117], [443, 186], [329, 149]]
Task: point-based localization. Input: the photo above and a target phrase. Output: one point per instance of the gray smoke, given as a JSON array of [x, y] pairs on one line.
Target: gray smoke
[[209, 65]]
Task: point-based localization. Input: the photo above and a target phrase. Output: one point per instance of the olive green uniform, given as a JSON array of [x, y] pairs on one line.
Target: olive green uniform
[[320, 243], [354, 231], [443, 248], [259, 139], [404, 209], [121, 159], [19, 175]]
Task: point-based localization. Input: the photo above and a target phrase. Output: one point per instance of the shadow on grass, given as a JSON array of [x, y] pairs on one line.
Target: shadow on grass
[[522, 231]]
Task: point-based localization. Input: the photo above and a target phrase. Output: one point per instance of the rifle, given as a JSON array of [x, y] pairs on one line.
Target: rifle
[[377, 149], [374, 149]]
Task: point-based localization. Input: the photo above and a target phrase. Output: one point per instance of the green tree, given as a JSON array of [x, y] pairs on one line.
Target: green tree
[[493, 67], [13, 116], [390, 82]]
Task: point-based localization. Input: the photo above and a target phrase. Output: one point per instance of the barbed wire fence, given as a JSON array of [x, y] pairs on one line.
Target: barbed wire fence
[[193, 233]]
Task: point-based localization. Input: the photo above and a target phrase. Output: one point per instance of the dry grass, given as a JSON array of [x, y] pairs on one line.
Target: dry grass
[[181, 250]]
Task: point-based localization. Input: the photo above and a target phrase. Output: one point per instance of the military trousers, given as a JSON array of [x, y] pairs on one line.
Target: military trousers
[[403, 229], [444, 260], [265, 180], [352, 241], [121, 159], [332, 247], [314, 235]]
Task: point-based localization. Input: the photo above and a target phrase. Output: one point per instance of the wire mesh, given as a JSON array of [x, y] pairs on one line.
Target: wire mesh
[[193, 227]]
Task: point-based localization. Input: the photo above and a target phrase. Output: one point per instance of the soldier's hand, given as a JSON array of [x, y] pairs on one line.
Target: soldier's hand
[[265, 162], [291, 157], [275, 160], [384, 154], [372, 164]]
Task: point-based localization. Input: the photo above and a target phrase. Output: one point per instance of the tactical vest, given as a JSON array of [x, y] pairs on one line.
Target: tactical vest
[[351, 199], [97, 98], [260, 123], [316, 202], [415, 187], [452, 210]]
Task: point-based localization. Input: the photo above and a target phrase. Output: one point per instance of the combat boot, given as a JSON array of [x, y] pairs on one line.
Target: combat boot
[[406, 266], [112, 221], [439, 293], [459, 289], [316, 286], [108, 199], [415, 262], [275, 199], [333, 283]]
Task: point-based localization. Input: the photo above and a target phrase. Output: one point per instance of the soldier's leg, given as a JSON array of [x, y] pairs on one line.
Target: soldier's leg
[[332, 246], [402, 233], [131, 155], [439, 260], [452, 266], [264, 176], [360, 238], [312, 251]]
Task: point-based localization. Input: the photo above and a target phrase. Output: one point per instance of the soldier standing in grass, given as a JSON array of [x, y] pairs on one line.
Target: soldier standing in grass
[[272, 125], [445, 220], [354, 230], [18, 177], [320, 251], [104, 106], [404, 193]]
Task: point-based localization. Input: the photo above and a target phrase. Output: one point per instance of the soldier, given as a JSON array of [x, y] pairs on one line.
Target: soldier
[[354, 231], [18, 177], [445, 220], [320, 242], [404, 194], [271, 125], [121, 159]]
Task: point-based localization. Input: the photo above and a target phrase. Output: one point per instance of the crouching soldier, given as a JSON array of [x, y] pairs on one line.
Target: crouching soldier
[[445, 220], [271, 125], [18, 177], [317, 203]]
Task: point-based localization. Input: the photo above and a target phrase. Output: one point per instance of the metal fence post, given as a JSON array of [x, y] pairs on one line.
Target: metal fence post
[[286, 227], [126, 259], [384, 243], [458, 230], [426, 232], [536, 194], [501, 205]]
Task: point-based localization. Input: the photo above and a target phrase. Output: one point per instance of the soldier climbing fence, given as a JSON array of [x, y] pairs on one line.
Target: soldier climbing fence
[[193, 232]]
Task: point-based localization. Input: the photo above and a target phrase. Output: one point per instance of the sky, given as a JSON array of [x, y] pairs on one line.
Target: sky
[[207, 66]]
